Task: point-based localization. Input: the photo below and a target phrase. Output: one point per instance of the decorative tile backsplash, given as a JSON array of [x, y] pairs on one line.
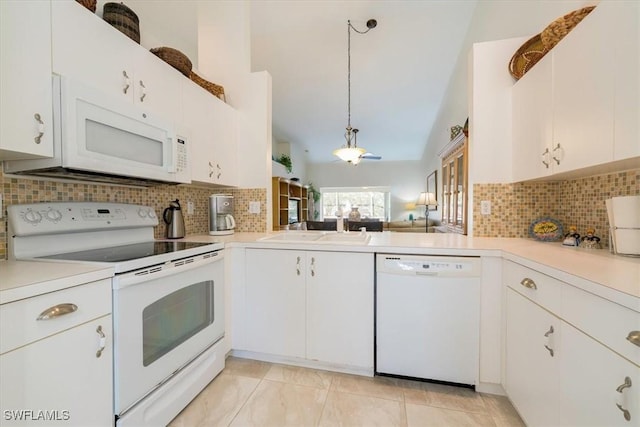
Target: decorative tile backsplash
[[26, 190], [578, 202]]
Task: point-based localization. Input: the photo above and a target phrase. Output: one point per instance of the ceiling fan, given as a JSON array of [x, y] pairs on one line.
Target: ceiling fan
[[363, 156]]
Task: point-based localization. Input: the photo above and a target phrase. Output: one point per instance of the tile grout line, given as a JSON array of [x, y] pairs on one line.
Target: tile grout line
[[246, 400], [324, 404]]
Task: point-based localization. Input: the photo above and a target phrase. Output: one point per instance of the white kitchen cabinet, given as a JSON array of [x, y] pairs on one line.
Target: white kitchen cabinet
[[532, 125], [87, 48], [275, 302], [578, 384], [578, 107], [311, 305], [531, 361], [591, 375], [26, 130], [56, 358], [61, 373], [212, 126]]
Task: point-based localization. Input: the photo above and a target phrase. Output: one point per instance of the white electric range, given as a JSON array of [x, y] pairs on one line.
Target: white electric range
[[168, 301]]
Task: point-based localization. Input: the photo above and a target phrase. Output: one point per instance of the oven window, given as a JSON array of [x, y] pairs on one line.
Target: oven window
[[172, 320]]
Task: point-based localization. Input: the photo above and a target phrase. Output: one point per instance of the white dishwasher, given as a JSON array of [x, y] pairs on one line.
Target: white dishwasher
[[427, 317]]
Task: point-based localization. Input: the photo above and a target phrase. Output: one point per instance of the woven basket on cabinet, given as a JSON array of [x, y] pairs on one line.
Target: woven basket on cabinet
[[123, 19], [213, 88], [559, 28], [527, 56], [175, 58], [89, 4]]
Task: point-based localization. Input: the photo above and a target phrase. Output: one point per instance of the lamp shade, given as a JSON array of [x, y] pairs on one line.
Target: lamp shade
[[427, 199], [349, 154]]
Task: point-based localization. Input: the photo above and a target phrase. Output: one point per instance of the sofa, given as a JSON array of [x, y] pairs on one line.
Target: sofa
[[410, 226]]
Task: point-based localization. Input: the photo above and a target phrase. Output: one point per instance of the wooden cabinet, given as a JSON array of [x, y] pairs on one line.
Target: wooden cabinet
[[61, 365], [579, 106], [565, 366], [26, 128], [212, 126], [454, 186], [87, 48], [310, 305], [290, 202]]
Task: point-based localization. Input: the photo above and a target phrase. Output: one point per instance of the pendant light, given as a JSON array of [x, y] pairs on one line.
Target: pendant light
[[350, 152]]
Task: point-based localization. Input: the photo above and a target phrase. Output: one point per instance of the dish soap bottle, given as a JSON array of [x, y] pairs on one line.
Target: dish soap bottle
[[339, 221]]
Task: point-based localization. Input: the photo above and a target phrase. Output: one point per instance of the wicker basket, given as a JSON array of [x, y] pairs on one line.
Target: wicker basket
[[89, 4], [527, 56], [175, 58], [213, 88], [123, 19], [562, 26]]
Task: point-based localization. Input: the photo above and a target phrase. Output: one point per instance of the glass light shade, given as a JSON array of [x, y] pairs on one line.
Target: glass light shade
[[426, 199], [349, 154]]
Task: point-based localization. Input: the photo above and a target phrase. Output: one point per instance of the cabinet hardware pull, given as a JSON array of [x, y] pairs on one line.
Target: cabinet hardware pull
[[57, 311], [126, 81], [313, 267], [298, 266], [620, 389], [554, 155], [103, 341], [547, 335], [528, 283], [634, 337], [545, 156], [144, 93], [210, 170], [38, 137]]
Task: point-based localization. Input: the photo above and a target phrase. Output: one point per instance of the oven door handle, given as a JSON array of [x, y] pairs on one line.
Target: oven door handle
[[159, 271]]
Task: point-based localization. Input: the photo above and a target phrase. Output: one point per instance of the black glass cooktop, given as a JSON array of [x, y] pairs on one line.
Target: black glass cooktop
[[127, 252]]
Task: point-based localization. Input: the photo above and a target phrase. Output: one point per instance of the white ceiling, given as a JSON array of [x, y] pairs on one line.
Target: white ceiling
[[399, 70]]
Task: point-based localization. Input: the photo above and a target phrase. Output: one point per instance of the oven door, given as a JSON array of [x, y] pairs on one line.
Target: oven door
[[164, 317]]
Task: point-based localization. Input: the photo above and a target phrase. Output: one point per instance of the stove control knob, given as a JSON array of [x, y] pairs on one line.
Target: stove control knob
[[151, 213], [32, 217], [54, 215], [142, 213]]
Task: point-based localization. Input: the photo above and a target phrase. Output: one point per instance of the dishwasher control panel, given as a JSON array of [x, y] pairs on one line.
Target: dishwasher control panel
[[429, 265]]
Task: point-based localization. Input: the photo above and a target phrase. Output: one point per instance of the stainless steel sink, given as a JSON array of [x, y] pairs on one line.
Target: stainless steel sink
[[294, 236]]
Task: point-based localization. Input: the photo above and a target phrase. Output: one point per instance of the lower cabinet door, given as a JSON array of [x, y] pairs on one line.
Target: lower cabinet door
[[591, 376], [275, 302], [60, 380], [340, 308], [532, 366]]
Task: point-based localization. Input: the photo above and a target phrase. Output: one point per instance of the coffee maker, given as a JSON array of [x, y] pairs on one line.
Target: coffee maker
[[221, 219]]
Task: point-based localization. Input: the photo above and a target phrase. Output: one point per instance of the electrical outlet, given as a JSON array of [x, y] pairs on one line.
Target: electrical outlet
[[190, 208], [485, 207], [254, 207]]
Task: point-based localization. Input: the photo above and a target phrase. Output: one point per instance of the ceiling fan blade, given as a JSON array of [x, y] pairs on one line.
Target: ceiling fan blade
[[370, 156]]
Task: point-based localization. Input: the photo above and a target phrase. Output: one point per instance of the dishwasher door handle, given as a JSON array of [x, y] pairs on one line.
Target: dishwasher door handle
[[426, 273]]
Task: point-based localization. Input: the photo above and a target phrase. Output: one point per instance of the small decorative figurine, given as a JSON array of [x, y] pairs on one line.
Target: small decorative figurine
[[572, 238], [591, 241]]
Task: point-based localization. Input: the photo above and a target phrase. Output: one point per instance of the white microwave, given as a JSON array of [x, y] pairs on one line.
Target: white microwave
[[107, 139]]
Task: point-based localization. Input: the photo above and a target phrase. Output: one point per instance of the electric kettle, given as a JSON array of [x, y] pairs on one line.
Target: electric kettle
[[175, 222]]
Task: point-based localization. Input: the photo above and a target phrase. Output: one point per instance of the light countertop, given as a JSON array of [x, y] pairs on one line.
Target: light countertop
[[24, 279], [613, 277]]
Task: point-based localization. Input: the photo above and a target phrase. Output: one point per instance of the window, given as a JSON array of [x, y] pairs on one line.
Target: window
[[372, 202]]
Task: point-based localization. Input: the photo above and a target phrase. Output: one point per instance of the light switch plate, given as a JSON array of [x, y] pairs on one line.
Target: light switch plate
[[190, 208], [485, 207], [254, 207]]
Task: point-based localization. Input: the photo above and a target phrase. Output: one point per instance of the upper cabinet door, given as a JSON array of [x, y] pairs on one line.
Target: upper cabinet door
[[89, 49], [26, 130], [156, 85], [583, 93], [532, 123]]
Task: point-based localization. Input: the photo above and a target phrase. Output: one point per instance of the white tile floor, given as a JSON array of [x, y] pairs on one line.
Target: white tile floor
[[253, 393]]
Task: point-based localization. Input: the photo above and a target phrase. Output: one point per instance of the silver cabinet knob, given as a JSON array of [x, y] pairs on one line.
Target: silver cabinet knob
[[103, 341], [528, 283], [143, 91], [126, 82], [620, 389], [57, 311], [547, 335], [634, 337], [38, 138]]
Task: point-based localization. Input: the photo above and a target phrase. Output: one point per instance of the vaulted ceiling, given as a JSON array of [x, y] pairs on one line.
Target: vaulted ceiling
[[399, 70]]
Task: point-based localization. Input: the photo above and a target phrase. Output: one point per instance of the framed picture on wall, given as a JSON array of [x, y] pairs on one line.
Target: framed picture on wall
[[432, 187]]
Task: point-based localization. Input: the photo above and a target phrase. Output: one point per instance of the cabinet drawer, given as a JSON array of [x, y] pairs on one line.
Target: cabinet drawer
[[603, 320], [19, 319], [538, 287]]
